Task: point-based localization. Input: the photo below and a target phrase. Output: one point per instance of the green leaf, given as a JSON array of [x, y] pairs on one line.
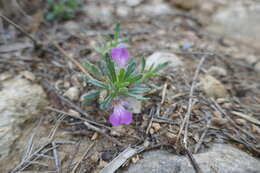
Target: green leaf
[[50, 16], [117, 31], [143, 63], [137, 97], [135, 78], [93, 69], [123, 91], [160, 66], [138, 90], [97, 83], [91, 96], [154, 86], [121, 75], [130, 69], [111, 68], [122, 84], [106, 102]]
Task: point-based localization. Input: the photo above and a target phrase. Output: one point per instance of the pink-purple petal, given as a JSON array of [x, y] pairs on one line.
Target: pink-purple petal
[[127, 118], [120, 56], [115, 120], [120, 116]]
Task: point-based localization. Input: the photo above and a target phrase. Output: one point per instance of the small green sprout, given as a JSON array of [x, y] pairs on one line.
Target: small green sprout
[[119, 76], [62, 9]]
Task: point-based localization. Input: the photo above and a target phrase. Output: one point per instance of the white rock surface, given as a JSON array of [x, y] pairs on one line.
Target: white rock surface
[[103, 13], [238, 21], [20, 101], [135, 105], [133, 3], [154, 9], [162, 57], [257, 67], [72, 93], [220, 158], [123, 11], [217, 71]]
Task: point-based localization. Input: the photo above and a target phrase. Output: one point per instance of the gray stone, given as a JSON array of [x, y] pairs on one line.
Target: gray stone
[[72, 93], [257, 67], [220, 158], [135, 105], [103, 13], [20, 101], [72, 27], [162, 57], [239, 22], [217, 71], [133, 3], [123, 11], [154, 9]]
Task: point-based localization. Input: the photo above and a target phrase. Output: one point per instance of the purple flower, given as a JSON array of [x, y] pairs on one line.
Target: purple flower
[[120, 115], [120, 56]]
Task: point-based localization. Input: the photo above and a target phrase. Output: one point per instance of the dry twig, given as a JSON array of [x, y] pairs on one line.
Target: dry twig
[[83, 156], [35, 42], [185, 122]]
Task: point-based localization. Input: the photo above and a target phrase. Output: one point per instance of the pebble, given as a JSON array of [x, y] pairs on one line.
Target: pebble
[[156, 126], [219, 121], [94, 137], [171, 137], [151, 131], [72, 93], [255, 129], [28, 75], [217, 71], [6, 75], [74, 113], [221, 100], [241, 122], [135, 159], [133, 3], [257, 67], [213, 87], [121, 130], [184, 4]]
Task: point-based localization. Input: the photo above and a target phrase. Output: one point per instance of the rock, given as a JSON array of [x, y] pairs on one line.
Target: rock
[[156, 126], [219, 121], [123, 11], [118, 131], [74, 113], [184, 4], [20, 101], [133, 3], [220, 157], [5, 76], [72, 27], [171, 137], [238, 21], [240, 122], [28, 75], [135, 105], [257, 67], [72, 93], [102, 13], [154, 9], [217, 71], [212, 87], [162, 57]]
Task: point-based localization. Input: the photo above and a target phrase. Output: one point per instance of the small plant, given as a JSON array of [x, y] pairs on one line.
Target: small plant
[[119, 76], [62, 9]]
